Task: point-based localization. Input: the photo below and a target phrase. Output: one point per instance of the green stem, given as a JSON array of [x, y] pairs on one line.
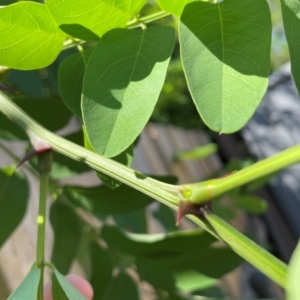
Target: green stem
[[169, 194], [246, 248], [207, 190], [44, 168], [147, 19]]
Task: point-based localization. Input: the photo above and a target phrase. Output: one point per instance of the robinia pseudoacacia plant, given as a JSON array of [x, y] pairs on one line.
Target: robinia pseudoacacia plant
[[113, 59]]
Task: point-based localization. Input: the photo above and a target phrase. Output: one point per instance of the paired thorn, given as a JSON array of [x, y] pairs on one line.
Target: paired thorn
[[190, 208]]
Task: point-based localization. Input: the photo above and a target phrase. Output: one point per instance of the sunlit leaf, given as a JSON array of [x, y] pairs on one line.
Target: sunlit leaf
[[14, 193], [122, 287], [62, 289], [89, 19], [225, 50], [30, 38], [294, 275], [291, 21], [121, 85], [174, 7], [102, 200], [125, 158], [67, 229], [28, 287]]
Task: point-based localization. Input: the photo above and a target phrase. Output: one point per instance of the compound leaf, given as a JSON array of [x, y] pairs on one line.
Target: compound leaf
[[30, 38], [225, 50], [121, 85]]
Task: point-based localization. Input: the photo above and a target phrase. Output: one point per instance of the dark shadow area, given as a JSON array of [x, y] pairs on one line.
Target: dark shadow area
[[79, 31]]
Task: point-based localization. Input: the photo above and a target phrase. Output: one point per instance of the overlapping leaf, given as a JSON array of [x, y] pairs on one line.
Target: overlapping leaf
[[293, 276], [165, 260], [174, 7], [29, 37], [122, 287], [121, 85], [70, 78], [89, 19], [62, 289], [291, 21], [102, 269], [67, 231], [14, 193], [50, 113], [28, 287], [225, 50]]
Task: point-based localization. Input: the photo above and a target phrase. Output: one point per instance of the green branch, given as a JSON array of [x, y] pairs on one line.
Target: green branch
[[171, 195], [44, 168]]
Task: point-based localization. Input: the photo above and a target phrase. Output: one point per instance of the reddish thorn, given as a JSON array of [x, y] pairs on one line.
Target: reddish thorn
[[190, 208], [31, 153]]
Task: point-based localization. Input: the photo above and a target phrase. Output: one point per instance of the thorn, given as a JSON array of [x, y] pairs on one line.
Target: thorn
[[33, 152], [190, 208]]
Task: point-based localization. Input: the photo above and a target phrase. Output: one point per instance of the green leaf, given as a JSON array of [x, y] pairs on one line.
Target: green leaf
[[62, 289], [155, 245], [225, 51], [174, 7], [125, 158], [121, 85], [29, 37], [70, 78], [251, 204], [67, 229], [122, 287], [294, 275], [102, 269], [102, 200], [28, 287], [89, 19], [135, 221], [50, 113], [166, 217], [169, 271], [291, 22], [191, 280], [14, 193], [196, 153]]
